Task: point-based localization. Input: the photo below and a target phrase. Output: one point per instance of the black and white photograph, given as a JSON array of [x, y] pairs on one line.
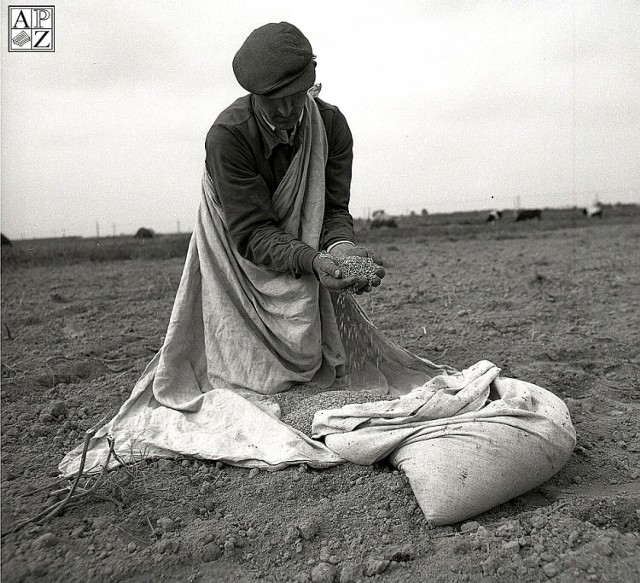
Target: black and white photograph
[[342, 292]]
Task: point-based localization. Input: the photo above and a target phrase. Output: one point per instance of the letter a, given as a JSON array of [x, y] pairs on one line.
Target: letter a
[[22, 17]]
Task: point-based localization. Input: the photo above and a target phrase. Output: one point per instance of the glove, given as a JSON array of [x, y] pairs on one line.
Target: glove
[[330, 276]]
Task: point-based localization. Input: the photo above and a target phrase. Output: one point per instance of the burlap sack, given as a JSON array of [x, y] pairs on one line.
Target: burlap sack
[[477, 463]]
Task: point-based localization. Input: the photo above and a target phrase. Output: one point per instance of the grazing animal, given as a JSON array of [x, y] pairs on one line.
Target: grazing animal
[[6, 241], [494, 216], [593, 211], [382, 219], [143, 233], [525, 215]]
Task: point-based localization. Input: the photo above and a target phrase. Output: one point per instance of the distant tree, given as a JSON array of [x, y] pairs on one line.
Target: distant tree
[[382, 219], [424, 212], [144, 233]]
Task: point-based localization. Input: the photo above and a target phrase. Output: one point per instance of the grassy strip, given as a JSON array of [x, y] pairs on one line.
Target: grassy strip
[[71, 250], [462, 225]]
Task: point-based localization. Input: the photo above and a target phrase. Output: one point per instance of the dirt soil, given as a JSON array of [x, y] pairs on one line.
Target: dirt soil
[[558, 307]]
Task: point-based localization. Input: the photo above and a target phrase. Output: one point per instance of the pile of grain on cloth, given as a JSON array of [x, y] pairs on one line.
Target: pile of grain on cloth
[[263, 369]]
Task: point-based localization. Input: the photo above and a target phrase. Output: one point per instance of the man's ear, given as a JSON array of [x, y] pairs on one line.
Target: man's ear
[[315, 90]]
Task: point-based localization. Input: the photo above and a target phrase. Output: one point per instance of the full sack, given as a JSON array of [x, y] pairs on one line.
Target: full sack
[[467, 442]]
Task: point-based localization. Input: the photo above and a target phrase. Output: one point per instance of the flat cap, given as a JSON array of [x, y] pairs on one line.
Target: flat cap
[[276, 60]]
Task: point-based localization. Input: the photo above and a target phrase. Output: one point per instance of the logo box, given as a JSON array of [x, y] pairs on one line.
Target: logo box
[[32, 29]]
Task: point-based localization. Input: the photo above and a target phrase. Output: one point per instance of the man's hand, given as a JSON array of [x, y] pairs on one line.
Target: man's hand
[[330, 275]]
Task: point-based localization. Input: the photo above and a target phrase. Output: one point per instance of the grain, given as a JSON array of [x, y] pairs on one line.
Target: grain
[[299, 405], [356, 333], [357, 266]]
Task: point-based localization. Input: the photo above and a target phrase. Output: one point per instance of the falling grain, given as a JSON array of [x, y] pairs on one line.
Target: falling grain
[[356, 333]]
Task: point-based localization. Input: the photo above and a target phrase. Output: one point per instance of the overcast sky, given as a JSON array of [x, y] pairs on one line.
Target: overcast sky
[[453, 105]]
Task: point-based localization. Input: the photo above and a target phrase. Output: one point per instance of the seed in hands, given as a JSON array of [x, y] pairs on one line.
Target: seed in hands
[[357, 266]]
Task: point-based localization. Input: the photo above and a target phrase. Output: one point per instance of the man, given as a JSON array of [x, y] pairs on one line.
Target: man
[[253, 313], [250, 148]]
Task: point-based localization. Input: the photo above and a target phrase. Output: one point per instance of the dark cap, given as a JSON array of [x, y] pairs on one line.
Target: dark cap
[[276, 60]]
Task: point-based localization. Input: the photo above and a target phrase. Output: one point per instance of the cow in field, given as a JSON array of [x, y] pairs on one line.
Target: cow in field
[[6, 241], [382, 219], [593, 211], [493, 216], [525, 215], [144, 233]]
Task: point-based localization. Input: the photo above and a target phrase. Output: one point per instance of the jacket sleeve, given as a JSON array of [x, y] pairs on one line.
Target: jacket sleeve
[[246, 204], [338, 222]]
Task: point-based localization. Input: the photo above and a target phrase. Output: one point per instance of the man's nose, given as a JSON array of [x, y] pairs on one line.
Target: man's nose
[[285, 107]]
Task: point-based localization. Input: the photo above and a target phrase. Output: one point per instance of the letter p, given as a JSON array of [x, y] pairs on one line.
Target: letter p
[[39, 15]]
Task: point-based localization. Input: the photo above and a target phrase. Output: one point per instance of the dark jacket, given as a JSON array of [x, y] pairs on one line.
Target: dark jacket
[[246, 163]]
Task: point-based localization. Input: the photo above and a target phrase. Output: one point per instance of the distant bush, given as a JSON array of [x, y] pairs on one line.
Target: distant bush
[[71, 250]]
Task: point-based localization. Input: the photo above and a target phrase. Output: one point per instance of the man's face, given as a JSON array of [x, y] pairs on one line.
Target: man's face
[[281, 112]]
